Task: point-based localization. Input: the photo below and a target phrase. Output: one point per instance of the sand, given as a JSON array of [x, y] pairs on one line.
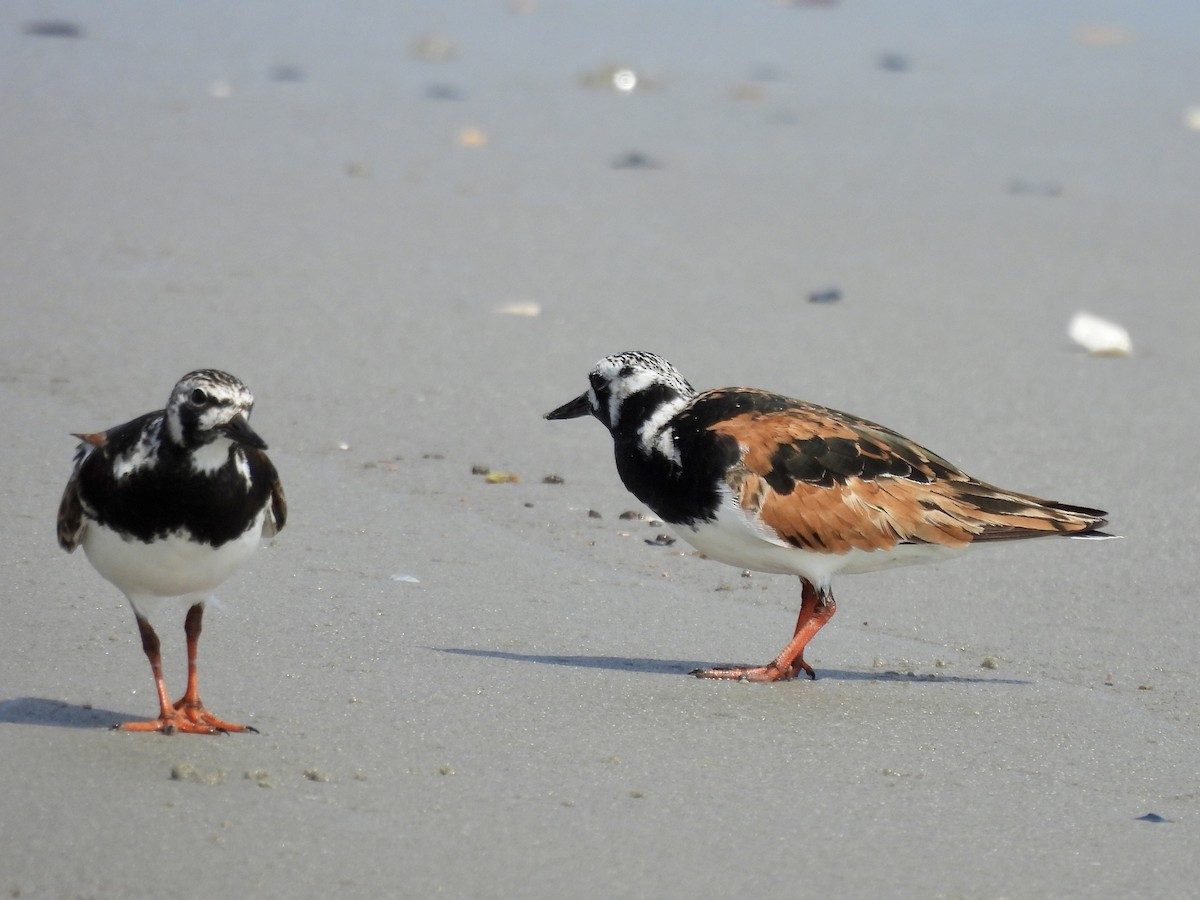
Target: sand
[[479, 690]]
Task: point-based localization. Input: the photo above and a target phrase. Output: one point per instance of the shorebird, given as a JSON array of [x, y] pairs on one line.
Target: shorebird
[[168, 506], [764, 482]]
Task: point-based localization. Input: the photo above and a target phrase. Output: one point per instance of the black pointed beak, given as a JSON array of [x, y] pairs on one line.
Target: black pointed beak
[[580, 406], [239, 431]]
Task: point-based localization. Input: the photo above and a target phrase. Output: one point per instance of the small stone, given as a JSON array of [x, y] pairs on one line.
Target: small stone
[[315, 775], [480, 470], [635, 159], [434, 48], [287, 72], [594, 514], [471, 137], [630, 514], [502, 478], [553, 479], [53, 28], [443, 92], [990, 662]]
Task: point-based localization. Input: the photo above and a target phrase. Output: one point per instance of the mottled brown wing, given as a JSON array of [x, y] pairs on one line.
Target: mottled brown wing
[[830, 482], [70, 516], [277, 512]]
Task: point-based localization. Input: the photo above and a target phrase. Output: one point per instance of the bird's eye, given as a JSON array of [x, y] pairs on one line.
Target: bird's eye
[[199, 398]]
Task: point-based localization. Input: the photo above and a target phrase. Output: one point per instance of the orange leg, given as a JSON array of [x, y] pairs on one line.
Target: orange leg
[[188, 713], [816, 608]]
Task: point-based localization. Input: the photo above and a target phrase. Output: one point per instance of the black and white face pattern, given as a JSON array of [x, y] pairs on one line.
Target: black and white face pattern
[[630, 389], [209, 404]]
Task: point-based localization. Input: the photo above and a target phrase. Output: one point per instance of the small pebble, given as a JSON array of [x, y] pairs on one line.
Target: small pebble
[[1098, 336], [661, 540], [1152, 817], [990, 662], [621, 79], [480, 470], [287, 72], [524, 308], [315, 775], [471, 137], [553, 479], [53, 28], [434, 48], [630, 514], [828, 295], [635, 159], [594, 514], [502, 478], [443, 92]]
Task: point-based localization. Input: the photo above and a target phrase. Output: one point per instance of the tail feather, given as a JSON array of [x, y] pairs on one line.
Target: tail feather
[[1004, 515]]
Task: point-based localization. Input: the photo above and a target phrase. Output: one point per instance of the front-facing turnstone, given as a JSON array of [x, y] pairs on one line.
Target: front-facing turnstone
[[169, 505], [764, 482]]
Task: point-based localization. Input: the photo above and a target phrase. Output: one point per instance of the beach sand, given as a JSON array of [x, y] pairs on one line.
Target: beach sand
[[468, 689]]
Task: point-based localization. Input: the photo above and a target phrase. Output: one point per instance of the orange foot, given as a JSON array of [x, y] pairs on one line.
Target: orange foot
[[770, 672], [189, 718]]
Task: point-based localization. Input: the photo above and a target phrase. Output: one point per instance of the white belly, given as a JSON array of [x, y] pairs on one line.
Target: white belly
[[171, 567], [734, 540]]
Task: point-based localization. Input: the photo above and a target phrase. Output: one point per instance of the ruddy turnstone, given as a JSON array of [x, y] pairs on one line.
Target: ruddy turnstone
[[765, 482], [168, 506]]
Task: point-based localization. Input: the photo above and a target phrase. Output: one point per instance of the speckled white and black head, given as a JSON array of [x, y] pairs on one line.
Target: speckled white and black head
[[207, 405], [633, 393]]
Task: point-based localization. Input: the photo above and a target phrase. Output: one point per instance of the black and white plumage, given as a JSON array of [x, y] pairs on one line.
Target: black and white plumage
[[167, 507], [764, 482]]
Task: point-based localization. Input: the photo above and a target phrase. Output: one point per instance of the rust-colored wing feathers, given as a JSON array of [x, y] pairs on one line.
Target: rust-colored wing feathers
[[828, 482]]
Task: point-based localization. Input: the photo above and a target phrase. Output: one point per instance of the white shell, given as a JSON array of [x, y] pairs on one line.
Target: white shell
[[1099, 337]]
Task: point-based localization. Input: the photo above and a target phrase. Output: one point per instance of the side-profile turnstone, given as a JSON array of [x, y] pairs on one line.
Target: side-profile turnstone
[[765, 482], [168, 506]]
